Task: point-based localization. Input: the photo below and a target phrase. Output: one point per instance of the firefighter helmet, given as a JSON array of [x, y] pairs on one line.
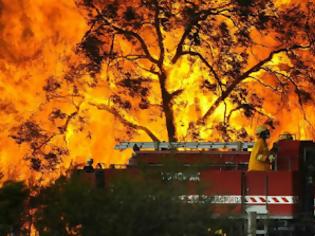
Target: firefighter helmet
[[261, 129]]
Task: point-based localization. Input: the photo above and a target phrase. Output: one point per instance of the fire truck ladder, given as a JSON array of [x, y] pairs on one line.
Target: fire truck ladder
[[137, 146]]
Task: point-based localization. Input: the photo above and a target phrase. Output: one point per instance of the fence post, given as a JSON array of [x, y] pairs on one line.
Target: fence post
[[251, 223]]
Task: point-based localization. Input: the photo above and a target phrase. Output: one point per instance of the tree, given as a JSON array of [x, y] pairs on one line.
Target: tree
[[44, 155], [13, 210], [177, 70], [140, 205], [234, 44]]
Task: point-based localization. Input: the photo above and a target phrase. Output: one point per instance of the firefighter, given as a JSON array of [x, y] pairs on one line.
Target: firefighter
[[260, 158], [89, 166]]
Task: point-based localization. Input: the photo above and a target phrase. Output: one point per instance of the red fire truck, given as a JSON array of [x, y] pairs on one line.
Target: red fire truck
[[281, 200]]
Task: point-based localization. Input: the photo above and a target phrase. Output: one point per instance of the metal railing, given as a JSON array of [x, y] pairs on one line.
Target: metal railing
[[238, 146]]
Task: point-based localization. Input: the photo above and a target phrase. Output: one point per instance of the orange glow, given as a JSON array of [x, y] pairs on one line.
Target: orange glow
[[37, 45]]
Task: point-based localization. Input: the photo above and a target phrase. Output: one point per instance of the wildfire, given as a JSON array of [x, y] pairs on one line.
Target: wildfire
[[72, 114]]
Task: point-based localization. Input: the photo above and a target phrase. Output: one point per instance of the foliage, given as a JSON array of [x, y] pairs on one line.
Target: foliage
[[13, 209], [129, 206], [133, 202], [42, 156], [247, 61], [230, 41]]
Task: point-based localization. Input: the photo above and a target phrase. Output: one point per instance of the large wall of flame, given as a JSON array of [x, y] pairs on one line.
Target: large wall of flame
[[37, 41], [36, 37]]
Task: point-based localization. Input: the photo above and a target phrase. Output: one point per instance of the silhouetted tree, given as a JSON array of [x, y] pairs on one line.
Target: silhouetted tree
[[140, 205], [13, 208], [242, 49], [44, 155], [233, 42]]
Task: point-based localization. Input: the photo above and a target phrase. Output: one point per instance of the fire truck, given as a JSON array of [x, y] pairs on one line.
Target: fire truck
[[275, 202]]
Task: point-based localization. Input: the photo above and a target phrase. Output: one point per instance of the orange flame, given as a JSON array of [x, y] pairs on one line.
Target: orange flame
[[37, 45]]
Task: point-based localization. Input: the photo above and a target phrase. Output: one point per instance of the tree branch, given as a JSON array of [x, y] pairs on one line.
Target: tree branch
[[265, 85], [198, 16], [62, 130], [297, 89], [216, 76], [176, 93], [242, 106], [245, 75], [157, 26], [124, 121], [131, 57], [151, 70], [130, 33]]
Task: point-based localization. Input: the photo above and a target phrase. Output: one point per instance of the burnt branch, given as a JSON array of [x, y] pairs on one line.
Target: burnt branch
[[157, 26], [242, 77], [246, 106], [274, 89], [131, 57], [44, 155], [125, 121], [128, 33], [204, 60], [176, 93], [303, 96], [151, 70], [195, 19], [62, 130]]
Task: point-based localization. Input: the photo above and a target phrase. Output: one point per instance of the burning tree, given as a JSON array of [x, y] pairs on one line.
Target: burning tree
[[176, 70], [231, 49]]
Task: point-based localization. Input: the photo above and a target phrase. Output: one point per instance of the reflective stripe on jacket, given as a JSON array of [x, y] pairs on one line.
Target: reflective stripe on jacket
[[258, 160]]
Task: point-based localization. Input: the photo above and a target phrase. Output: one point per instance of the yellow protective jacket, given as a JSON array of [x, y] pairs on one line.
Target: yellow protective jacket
[[258, 160]]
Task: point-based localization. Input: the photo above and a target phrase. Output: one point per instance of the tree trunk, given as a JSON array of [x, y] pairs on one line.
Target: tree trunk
[[167, 108]]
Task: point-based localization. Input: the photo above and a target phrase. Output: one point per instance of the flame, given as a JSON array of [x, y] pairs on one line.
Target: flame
[[37, 47], [36, 41]]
